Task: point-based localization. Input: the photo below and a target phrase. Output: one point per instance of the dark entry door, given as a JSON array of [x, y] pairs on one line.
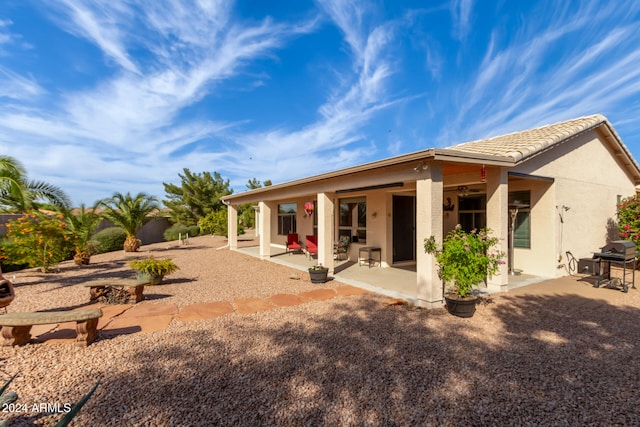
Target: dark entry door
[[404, 228]]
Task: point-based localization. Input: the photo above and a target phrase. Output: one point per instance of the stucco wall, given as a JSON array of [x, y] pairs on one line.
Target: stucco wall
[[304, 223], [588, 180], [378, 214]]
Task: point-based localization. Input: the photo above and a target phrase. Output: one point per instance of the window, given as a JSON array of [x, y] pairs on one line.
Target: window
[[287, 218], [353, 219], [522, 227], [472, 212]]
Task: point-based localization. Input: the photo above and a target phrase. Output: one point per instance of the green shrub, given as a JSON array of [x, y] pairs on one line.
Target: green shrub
[[37, 240], [150, 265], [110, 239], [465, 259], [216, 223], [176, 230]]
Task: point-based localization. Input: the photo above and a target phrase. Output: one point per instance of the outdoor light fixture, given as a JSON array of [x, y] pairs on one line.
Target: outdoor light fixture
[[421, 167], [308, 208]]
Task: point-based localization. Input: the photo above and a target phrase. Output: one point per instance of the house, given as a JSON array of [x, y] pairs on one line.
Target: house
[[557, 186]]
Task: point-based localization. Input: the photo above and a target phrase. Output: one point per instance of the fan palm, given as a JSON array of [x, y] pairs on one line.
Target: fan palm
[[18, 194], [130, 214]]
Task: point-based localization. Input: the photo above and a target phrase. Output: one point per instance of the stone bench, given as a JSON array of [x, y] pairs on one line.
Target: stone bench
[[135, 288], [16, 327]]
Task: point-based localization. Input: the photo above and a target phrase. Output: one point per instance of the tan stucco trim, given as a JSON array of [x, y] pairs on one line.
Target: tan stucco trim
[[442, 154]]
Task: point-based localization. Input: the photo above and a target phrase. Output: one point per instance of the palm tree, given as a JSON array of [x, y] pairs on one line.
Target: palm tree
[[18, 194], [130, 214], [82, 225]]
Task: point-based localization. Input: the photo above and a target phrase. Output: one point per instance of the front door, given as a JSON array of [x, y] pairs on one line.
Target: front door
[[404, 228]]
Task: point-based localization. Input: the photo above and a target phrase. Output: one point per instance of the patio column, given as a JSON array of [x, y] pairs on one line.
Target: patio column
[[428, 222], [232, 226], [325, 230], [256, 221], [498, 221], [265, 228]]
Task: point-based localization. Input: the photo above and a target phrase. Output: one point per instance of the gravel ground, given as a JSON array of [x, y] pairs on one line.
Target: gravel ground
[[353, 361]]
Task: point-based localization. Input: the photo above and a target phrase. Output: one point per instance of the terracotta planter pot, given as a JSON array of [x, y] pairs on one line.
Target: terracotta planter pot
[[461, 306]]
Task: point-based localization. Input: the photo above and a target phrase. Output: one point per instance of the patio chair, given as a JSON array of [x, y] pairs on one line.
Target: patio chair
[[341, 248], [293, 245], [311, 245]]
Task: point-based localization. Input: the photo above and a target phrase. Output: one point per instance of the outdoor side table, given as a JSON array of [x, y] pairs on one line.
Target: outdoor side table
[[370, 251]]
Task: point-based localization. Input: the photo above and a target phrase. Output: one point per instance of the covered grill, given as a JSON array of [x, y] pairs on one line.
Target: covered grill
[[618, 250], [621, 253]]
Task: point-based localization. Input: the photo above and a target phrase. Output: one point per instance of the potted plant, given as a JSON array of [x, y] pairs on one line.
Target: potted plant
[[318, 273], [465, 259], [151, 270]]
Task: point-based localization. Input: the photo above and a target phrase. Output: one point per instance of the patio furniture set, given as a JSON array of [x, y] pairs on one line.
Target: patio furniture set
[[310, 247], [367, 255]]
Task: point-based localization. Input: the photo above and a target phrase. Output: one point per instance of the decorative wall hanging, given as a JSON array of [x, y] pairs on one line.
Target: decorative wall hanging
[[448, 206], [308, 208]]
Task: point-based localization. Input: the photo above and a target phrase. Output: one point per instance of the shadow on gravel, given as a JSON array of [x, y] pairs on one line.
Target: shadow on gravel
[[92, 271], [544, 360], [155, 296], [176, 248]]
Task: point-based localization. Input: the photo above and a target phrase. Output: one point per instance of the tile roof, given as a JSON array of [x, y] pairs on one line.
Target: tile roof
[[521, 145], [504, 150]]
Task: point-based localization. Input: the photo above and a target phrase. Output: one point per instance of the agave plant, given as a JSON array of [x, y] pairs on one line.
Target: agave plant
[[130, 214]]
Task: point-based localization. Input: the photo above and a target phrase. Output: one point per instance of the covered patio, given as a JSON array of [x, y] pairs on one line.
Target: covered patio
[[530, 189], [395, 282]]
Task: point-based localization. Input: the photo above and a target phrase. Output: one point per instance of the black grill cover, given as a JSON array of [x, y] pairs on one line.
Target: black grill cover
[[620, 248]]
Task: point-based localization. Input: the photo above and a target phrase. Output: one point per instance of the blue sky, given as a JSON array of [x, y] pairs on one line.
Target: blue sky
[[98, 97]]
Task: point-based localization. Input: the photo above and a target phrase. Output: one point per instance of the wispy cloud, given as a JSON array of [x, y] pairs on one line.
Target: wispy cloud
[[100, 23], [461, 16], [15, 86], [360, 93], [529, 80], [190, 49], [172, 80]]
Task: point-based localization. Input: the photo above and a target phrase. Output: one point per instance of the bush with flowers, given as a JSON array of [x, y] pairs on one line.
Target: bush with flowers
[[465, 258], [629, 219], [38, 241]]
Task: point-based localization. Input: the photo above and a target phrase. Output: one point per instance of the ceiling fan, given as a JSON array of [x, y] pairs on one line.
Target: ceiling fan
[[463, 190]]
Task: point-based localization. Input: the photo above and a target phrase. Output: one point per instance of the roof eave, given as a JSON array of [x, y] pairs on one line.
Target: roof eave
[[624, 154], [440, 154], [418, 155]]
